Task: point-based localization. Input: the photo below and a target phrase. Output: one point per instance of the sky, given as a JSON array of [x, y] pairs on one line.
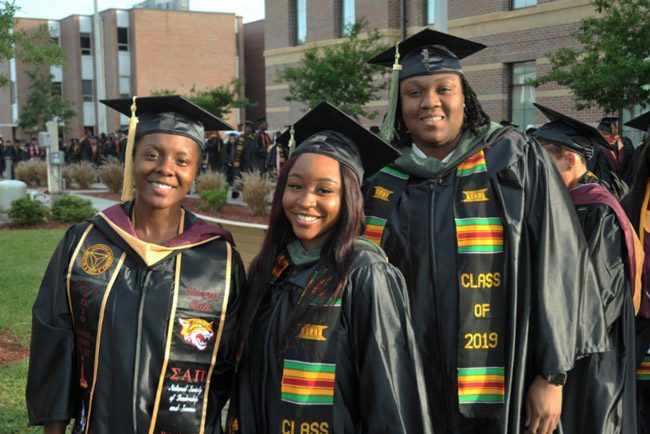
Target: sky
[[251, 10]]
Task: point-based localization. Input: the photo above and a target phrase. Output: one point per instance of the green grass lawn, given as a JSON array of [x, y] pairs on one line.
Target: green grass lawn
[[24, 255]]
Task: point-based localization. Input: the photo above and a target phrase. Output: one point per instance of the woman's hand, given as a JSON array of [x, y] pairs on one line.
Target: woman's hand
[[543, 407]]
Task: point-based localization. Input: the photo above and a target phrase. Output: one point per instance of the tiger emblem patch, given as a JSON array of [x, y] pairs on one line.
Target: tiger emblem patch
[[196, 332]]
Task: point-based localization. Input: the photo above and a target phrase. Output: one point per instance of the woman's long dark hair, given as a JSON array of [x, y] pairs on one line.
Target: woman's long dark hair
[[634, 200], [474, 116], [336, 258]]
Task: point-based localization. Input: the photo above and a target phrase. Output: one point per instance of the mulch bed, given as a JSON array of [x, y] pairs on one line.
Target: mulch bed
[[42, 225], [237, 213], [10, 350]]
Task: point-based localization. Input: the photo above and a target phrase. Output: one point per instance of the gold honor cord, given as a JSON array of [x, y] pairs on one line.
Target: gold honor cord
[[170, 335], [127, 186], [72, 261], [222, 321], [98, 339]]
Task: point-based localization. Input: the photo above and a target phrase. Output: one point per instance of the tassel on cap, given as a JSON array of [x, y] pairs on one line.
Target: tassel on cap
[[387, 131], [292, 141], [127, 186]]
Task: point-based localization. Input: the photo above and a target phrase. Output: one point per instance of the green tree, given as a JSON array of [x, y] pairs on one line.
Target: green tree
[[339, 73], [218, 100], [611, 69], [34, 47], [43, 103]]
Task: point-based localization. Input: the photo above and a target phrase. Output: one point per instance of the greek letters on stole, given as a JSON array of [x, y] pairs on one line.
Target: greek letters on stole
[[309, 366], [194, 327], [482, 302]]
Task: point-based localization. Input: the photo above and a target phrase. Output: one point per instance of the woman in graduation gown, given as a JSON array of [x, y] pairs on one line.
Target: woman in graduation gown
[[133, 326], [474, 215], [637, 206], [328, 344]]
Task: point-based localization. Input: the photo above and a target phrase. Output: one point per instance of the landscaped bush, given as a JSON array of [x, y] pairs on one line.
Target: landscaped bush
[[32, 172], [255, 190], [72, 209], [68, 174], [211, 180], [27, 211], [84, 174], [111, 174], [216, 199]]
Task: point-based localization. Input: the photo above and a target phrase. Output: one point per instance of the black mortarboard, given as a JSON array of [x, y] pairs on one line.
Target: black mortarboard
[[429, 52], [605, 123], [568, 133], [641, 122], [326, 130], [171, 114]]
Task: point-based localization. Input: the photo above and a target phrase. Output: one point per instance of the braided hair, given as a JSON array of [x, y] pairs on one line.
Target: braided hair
[[474, 116]]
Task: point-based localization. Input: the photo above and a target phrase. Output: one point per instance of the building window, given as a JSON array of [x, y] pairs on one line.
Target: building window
[[522, 94], [123, 39], [347, 16], [430, 12], [518, 4], [56, 89], [87, 90], [85, 43], [125, 87], [301, 21]]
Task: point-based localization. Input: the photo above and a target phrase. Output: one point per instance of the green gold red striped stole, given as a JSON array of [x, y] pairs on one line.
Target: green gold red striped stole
[[281, 264], [643, 373], [480, 265], [306, 383], [385, 192]]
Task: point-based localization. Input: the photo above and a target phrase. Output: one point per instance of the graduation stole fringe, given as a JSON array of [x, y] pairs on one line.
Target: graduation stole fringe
[[309, 365], [127, 185], [481, 281]]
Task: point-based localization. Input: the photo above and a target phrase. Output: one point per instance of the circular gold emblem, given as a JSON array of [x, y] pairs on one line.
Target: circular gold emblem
[[97, 259]]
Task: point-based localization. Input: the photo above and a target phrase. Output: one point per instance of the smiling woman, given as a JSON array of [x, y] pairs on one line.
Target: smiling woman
[[144, 295]]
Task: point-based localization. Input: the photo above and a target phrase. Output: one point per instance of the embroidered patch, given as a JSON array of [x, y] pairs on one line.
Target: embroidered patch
[[643, 373], [475, 195], [479, 235], [481, 385], [312, 332], [196, 332], [382, 193], [306, 383], [97, 259]]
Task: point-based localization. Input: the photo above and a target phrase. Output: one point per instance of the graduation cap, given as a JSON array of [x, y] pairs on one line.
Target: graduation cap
[[641, 122], [569, 133], [328, 131], [169, 114], [606, 123], [425, 53]]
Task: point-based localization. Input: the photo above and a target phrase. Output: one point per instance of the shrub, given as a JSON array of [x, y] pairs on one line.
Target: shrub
[[32, 172], [216, 199], [255, 189], [72, 209], [111, 174], [84, 174], [68, 174], [27, 211], [211, 180]]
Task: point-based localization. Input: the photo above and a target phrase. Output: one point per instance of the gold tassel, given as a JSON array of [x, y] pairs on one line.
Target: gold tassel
[[127, 186], [387, 131], [292, 140]]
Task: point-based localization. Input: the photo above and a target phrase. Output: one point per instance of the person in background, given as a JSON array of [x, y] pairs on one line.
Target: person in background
[[328, 346], [262, 145], [600, 394], [477, 219], [134, 324]]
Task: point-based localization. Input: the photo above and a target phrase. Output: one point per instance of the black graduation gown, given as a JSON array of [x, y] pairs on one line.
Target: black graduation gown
[[378, 373], [550, 323], [607, 177], [134, 332], [262, 142], [599, 396]]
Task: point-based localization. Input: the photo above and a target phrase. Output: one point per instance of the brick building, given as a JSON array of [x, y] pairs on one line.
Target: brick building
[[144, 50], [520, 35]]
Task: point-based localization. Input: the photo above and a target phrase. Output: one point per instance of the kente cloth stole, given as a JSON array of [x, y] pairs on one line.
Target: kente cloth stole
[[386, 191], [195, 324], [480, 263], [643, 373], [239, 148], [309, 365]]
